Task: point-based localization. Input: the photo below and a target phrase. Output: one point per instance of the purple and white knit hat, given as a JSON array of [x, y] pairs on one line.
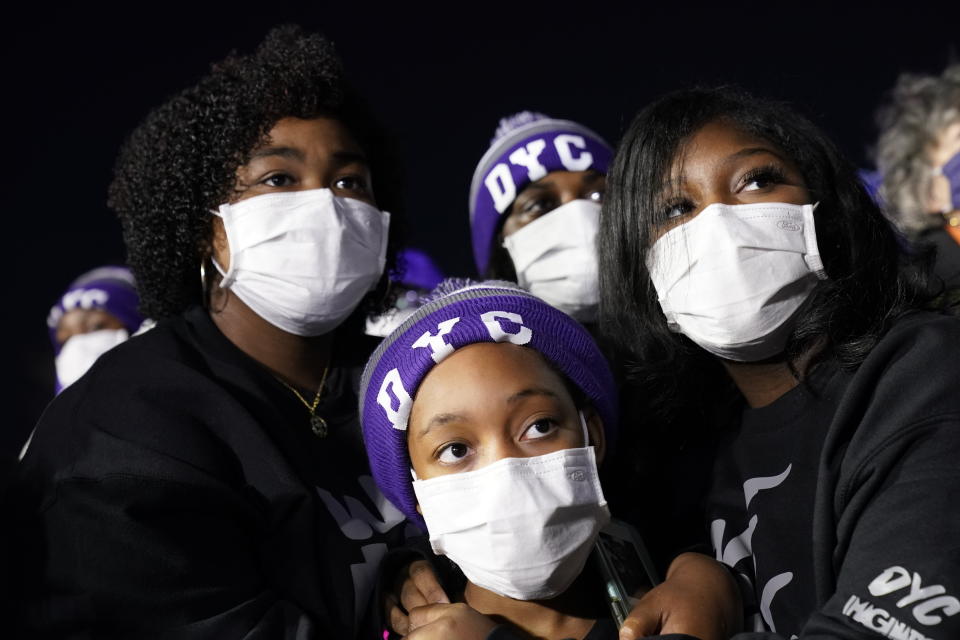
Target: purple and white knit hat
[[478, 312], [526, 147], [111, 289]]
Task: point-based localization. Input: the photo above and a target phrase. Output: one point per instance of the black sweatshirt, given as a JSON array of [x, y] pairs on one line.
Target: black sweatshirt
[[839, 504], [177, 490]]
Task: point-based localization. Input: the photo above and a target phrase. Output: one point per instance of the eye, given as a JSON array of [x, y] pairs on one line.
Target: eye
[[356, 184], [452, 453], [676, 209], [537, 206], [595, 196], [762, 178], [278, 180], [540, 429]]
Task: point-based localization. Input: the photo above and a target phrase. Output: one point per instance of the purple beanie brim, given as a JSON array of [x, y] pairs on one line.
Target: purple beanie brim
[[481, 313], [561, 145]]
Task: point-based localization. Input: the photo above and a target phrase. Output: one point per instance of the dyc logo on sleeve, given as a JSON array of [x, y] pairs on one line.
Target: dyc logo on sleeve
[[927, 604]]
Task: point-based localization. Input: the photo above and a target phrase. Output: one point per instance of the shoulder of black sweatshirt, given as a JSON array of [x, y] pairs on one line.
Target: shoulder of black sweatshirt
[[177, 490], [837, 503]]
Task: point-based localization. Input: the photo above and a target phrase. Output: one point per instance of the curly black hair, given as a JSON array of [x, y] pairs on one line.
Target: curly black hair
[[181, 162]]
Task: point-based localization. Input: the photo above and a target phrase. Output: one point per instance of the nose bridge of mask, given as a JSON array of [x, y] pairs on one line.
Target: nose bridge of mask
[[509, 486], [747, 270], [573, 224], [583, 427], [702, 245], [303, 260], [293, 215]]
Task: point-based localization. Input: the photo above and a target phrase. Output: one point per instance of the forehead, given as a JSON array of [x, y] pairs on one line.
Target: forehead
[[316, 136], [564, 180], [716, 141], [479, 374]]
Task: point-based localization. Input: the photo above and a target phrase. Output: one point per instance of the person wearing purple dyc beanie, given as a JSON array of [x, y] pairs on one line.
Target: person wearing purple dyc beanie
[[485, 415]]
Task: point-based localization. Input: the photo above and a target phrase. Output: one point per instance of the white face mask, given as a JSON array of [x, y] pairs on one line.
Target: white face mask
[[79, 353], [303, 260], [555, 257], [732, 278], [520, 527]]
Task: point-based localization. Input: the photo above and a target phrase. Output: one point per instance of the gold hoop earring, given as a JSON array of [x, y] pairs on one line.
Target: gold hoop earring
[[203, 277]]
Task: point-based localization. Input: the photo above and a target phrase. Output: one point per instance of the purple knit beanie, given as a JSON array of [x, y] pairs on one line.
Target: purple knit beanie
[[526, 147], [111, 289], [477, 312]]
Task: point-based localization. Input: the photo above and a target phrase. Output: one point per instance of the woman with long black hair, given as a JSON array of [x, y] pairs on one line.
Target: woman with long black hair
[[207, 478], [745, 271]]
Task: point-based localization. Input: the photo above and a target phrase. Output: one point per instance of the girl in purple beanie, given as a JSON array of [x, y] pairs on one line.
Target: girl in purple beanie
[[97, 312], [485, 415], [535, 209]]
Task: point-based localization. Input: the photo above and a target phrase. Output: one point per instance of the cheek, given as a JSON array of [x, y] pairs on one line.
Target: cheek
[[511, 225]]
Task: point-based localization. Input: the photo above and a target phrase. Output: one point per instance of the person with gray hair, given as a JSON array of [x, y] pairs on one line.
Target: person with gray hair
[[918, 155]]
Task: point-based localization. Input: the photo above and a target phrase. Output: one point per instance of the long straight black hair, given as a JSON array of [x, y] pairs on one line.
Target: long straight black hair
[[870, 276]]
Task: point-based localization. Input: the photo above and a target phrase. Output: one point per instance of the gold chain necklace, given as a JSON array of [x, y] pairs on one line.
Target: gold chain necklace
[[317, 424]]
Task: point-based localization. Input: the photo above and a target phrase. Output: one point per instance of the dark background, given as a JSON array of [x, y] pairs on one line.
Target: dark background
[[77, 80]]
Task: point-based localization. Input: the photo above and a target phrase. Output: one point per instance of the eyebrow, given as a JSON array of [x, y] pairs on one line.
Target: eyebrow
[[674, 183], [340, 158], [443, 419], [751, 151], [283, 152], [350, 157], [593, 175], [531, 391], [544, 183], [440, 420]]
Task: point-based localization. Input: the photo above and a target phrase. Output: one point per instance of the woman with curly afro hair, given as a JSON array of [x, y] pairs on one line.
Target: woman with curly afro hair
[[207, 478]]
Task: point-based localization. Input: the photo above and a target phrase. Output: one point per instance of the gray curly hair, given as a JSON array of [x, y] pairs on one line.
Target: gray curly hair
[[921, 107]]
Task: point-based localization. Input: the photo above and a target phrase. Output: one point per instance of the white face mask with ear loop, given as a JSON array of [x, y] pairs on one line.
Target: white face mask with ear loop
[[520, 527], [555, 258], [303, 260], [732, 278]]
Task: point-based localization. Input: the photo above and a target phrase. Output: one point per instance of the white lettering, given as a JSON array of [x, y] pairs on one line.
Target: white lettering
[[877, 619], [354, 519], [527, 157], [847, 607], [899, 631], [923, 611], [491, 319], [500, 184], [892, 579], [439, 349], [391, 389], [563, 142], [919, 593]]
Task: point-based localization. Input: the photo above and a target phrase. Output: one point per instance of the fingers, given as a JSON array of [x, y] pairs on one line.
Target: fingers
[[643, 621], [422, 616], [410, 595], [420, 588], [398, 618], [426, 581], [446, 621]]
